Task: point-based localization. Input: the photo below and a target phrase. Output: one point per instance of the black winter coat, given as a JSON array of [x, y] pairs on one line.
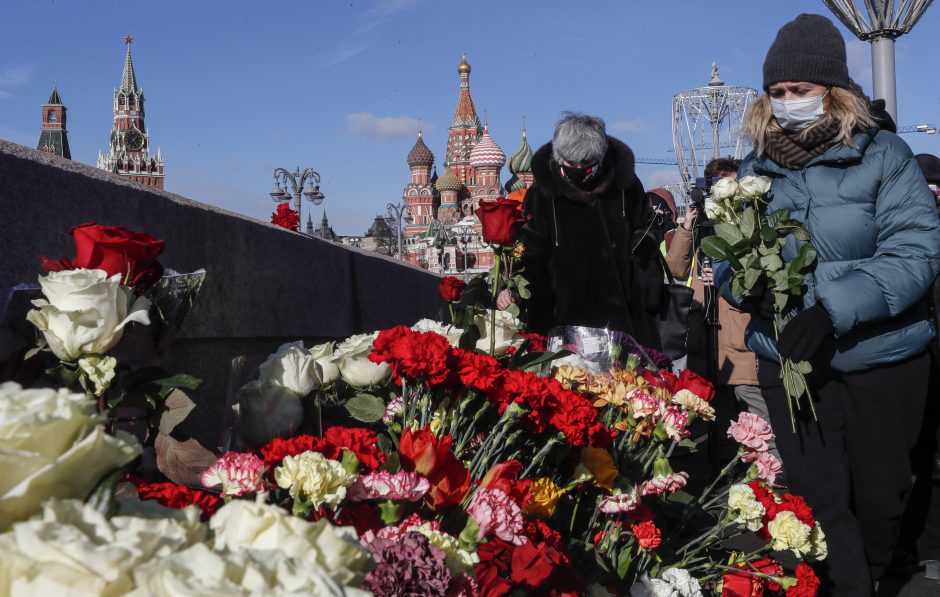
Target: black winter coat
[[591, 257]]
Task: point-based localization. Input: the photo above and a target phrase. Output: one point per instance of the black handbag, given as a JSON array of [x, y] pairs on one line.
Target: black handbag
[[672, 320]]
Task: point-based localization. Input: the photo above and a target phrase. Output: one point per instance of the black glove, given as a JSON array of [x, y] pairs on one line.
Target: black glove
[[800, 340]]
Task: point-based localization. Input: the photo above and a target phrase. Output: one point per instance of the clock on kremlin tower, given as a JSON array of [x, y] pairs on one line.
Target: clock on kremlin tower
[[129, 153]]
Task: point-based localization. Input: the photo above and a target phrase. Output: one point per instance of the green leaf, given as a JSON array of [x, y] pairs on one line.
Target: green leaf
[[180, 380], [749, 222], [781, 280], [468, 339], [513, 309], [178, 407], [801, 233], [349, 461], [751, 276], [729, 232], [534, 359], [689, 445], [737, 285], [386, 444], [768, 235], [718, 248], [365, 407], [771, 263], [680, 497], [101, 497], [807, 255], [776, 217], [804, 367], [623, 562], [780, 301]]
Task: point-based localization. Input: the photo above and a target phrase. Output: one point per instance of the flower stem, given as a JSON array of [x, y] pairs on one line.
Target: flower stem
[[496, 264]]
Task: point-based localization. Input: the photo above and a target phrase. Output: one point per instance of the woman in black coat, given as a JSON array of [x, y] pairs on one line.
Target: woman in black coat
[[591, 256]]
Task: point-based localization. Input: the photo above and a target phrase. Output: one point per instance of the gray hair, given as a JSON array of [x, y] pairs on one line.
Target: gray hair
[[579, 138]]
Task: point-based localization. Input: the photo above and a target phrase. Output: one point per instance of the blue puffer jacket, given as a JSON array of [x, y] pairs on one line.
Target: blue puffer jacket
[[874, 224]]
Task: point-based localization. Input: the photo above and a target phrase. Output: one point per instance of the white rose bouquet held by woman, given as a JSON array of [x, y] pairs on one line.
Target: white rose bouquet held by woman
[[751, 240]]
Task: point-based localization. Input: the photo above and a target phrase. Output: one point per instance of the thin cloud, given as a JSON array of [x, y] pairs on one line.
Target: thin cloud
[[658, 178], [858, 55], [11, 78], [361, 38], [367, 124], [636, 125]]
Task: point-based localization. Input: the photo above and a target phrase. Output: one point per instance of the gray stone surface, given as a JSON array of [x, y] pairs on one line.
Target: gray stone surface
[[264, 284]]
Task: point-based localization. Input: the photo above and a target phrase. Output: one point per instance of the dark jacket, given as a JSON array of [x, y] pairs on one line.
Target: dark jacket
[[874, 224], [590, 256]]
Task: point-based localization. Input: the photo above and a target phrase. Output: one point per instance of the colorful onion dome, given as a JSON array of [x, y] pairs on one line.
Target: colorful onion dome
[[521, 161], [486, 153], [515, 184], [448, 181], [420, 155]]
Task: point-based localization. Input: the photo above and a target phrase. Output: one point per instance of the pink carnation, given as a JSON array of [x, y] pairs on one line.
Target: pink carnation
[[497, 514], [751, 431], [383, 485], [393, 409], [237, 473], [411, 522], [768, 466], [622, 502], [676, 422], [661, 485], [643, 405]]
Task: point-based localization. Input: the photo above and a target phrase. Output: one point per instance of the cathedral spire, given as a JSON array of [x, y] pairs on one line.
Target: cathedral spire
[[128, 80], [54, 99], [466, 113]]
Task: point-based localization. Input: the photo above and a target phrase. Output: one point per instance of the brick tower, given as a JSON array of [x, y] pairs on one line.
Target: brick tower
[[464, 131], [486, 159], [129, 153], [54, 138], [420, 195]]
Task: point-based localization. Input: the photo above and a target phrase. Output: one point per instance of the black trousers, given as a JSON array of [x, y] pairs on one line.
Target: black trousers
[[852, 464]]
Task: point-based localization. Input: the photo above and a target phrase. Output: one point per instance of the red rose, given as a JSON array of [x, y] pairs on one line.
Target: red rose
[[421, 452], [285, 217], [501, 220], [451, 288], [115, 250], [664, 379], [696, 384], [647, 534], [807, 583], [359, 441]]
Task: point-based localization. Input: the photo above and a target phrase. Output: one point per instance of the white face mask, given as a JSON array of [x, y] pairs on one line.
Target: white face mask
[[796, 115]]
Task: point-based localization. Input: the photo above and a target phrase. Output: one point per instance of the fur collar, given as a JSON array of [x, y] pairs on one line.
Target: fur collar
[[617, 173]]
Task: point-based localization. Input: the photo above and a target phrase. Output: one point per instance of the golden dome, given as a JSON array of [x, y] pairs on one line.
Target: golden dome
[[463, 67]]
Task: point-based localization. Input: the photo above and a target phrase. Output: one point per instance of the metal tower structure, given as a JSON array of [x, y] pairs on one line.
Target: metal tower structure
[[881, 23], [706, 124]]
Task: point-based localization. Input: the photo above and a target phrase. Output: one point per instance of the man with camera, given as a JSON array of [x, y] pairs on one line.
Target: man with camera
[[732, 367]]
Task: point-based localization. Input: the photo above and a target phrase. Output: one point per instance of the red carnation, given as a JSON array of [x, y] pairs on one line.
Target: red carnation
[[537, 342], [285, 217], [807, 583], [365, 517], [647, 534], [361, 442], [479, 372], [115, 250], [501, 220], [795, 504], [278, 449], [698, 385], [424, 356], [451, 288], [179, 496]]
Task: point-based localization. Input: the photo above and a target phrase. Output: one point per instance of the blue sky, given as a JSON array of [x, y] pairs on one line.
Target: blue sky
[[235, 89]]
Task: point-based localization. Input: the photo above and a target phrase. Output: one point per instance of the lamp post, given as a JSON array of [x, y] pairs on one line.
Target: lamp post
[[297, 180], [397, 213], [440, 242], [463, 235]]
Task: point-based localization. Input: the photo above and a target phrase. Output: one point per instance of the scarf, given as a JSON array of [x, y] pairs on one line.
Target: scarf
[[793, 150]]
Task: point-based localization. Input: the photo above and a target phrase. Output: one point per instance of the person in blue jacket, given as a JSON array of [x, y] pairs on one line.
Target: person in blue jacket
[[863, 320]]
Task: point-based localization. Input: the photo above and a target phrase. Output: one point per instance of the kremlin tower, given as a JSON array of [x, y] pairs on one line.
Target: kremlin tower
[[129, 152], [54, 138]]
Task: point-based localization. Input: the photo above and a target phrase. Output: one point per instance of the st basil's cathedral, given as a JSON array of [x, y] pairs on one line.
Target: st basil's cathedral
[[444, 233]]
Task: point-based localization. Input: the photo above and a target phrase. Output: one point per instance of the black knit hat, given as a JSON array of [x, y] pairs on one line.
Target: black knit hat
[[930, 166], [808, 48]]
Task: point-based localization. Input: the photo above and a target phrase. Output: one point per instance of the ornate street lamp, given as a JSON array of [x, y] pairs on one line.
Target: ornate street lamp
[[398, 213], [296, 181], [880, 23]]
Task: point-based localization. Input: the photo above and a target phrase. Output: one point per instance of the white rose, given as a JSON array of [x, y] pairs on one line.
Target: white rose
[[748, 511], [78, 551], [242, 524], [327, 370], [451, 332], [506, 331], [714, 211], [52, 445], [724, 190], [99, 371], [291, 367], [352, 358], [754, 186], [200, 571], [85, 312], [268, 411]]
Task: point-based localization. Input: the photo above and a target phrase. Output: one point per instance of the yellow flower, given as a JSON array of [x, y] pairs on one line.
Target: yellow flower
[[601, 466], [542, 497], [788, 532], [571, 377]]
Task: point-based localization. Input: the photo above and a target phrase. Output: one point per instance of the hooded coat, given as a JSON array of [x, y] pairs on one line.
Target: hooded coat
[[874, 224], [590, 257]]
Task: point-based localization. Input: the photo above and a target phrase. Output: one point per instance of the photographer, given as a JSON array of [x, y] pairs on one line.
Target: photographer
[[735, 369]]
